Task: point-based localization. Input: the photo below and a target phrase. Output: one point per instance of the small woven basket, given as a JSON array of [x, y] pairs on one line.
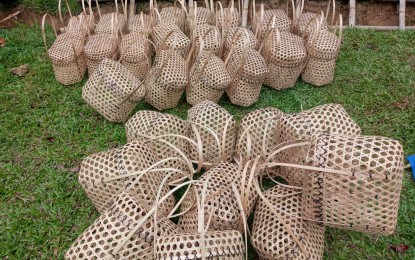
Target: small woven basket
[[112, 228], [198, 16], [79, 23], [279, 230], [216, 130], [238, 37], [286, 56], [363, 194], [211, 37], [174, 15], [149, 125], [249, 70], [169, 36], [101, 176], [323, 48], [113, 91], [112, 23], [258, 133], [208, 79], [167, 80], [227, 18], [140, 23], [66, 55], [136, 53], [304, 23], [329, 118]]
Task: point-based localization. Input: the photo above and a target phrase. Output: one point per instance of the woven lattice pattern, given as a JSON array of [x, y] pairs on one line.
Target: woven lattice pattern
[[224, 245], [208, 79], [111, 23], [202, 16], [176, 40], [140, 23], [99, 47], [167, 80], [210, 115], [238, 37], [98, 169], [306, 24], [212, 39], [262, 126], [364, 199], [113, 91], [229, 19], [173, 15], [136, 54], [273, 239], [146, 124], [99, 240], [329, 118], [249, 71], [286, 56], [264, 20], [78, 24]]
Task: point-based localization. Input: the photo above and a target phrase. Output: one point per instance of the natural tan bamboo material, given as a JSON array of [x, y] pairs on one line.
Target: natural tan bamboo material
[[208, 78], [66, 55], [248, 70], [162, 132], [279, 230], [238, 37], [113, 91], [167, 80], [174, 15], [106, 24], [305, 23], [211, 37], [329, 118], [198, 16], [169, 36], [140, 23], [323, 48], [227, 18], [258, 133], [102, 176], [218, 130], [263, 20], [286, 56], [136, 53], [75, 24], [99, 240]]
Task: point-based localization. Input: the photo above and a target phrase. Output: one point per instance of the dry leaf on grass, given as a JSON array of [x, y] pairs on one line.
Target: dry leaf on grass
[[21, 70], [2, 41], [402, 248]]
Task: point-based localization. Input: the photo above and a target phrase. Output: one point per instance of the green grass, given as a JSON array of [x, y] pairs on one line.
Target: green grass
[[51, 6], [46, 129]]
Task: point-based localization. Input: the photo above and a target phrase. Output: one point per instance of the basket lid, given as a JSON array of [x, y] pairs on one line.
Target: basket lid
[[240, 36], [291, 49], [326, 45], [214, 74], [305, 25], [254, 68], [105, 24], [173, 14], [177, 40], [211, 40], [203, 16], [140, 23], [135, 48], [282, 21], [175, 72], [101, 46], [62, 49]]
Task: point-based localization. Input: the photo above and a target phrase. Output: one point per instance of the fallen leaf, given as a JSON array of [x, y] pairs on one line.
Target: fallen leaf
[[21, 70], [2, 41], [402, 248], [50, 139], [74, 169]]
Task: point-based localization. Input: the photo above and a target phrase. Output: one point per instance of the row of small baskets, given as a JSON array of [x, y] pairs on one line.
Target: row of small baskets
[[202, 50], [333, 177]]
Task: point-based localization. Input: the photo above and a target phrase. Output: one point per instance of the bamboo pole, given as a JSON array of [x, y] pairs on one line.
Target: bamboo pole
[[402, 7], [352, 12], [245, 13]]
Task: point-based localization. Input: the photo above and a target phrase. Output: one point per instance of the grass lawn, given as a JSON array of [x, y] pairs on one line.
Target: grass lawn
[[46, 129]]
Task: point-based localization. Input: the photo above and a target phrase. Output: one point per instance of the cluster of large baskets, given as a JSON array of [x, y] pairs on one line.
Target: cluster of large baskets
[[203, 51], [333, 177]]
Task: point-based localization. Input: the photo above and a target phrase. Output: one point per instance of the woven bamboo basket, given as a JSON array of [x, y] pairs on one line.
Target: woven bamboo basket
[[216, 130], [113, 91], [286, 56], [169, 36], [174, 15], [227, 18], [112, 23], [323, 48], [264, 20], [304, 23], [80, 23], [258, 133], [279, 230], [221, 203], [198, 16], [140, 23], [329, 118], [111, 236], [136, 53], [238, 37], [167, 80], [365, 196], [66, 55], [102, 176], [249, 70], [163, 133], [208, 79], [211, 37]]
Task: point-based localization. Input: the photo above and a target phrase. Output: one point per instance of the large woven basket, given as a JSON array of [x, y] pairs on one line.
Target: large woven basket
[[169, 36], [286, 56], [163, 132], [66, 55], [261, 128], [107, 237], [113, 91], [279, 230], [216, 129], [112, 23], [101, 176], [167, 80], [329, 118], [238, 37], [363, 194], [208, 79], [249, 70], [136, 53], [323, 48]]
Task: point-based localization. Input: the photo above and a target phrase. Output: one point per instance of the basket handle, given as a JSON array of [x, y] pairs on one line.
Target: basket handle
[[60, 9], [340, 26], [319, 23], [89, 7], [43, 31], [269, 30]]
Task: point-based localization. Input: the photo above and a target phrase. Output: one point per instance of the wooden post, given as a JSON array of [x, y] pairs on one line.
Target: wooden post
[[352, 12], [245, 13], [132, 9], [402, 6]]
